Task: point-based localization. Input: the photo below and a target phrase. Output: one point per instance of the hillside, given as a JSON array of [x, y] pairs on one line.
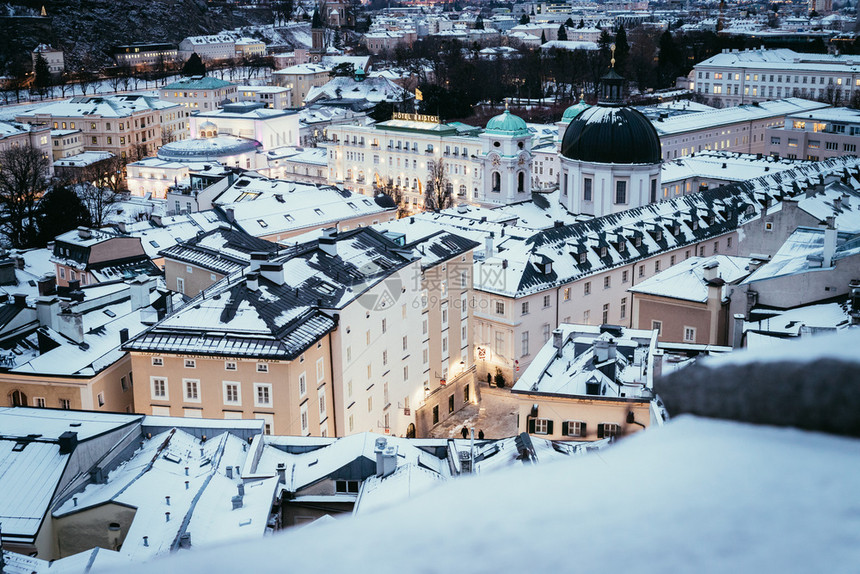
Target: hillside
[[87, 29]]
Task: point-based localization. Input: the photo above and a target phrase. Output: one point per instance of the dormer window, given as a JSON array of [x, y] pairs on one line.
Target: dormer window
[[583, 257], [603, 251]]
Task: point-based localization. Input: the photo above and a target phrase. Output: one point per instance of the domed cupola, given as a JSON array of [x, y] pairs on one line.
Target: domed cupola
[[610, 155], [611, 135], [507, 124], [573, 111]]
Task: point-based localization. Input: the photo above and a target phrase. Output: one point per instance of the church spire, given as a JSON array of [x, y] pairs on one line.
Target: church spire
[[611, 85]]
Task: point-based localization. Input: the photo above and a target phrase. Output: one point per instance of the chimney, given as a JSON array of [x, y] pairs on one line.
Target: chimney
[[230, 213], [123, 336], [48, 284], [328, 241], [85, 233], [829, 242], [240, 488], [252, 281], [68, 441], [156, 220], [20, 299], [386, 458], [711, 271], [114, 533], [139, 292], [20, 263], [557, 341], [488, 246], [237, 502], [282, 473], [7, 272], [273, 272], [738, 331], [71, 324], [229, 470], [185, 540], [257, 259]]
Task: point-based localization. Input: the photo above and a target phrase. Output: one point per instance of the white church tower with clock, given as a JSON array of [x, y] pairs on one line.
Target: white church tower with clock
[[507, 160]]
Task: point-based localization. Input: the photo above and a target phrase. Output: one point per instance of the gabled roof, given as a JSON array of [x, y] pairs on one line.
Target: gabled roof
[[280, 318], [222, 250]]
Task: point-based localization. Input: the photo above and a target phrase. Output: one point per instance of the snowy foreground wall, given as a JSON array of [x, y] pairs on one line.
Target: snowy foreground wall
[[698, 495], [808, 383]]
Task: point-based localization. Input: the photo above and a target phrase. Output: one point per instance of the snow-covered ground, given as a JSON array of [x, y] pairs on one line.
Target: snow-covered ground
[[697, 495]]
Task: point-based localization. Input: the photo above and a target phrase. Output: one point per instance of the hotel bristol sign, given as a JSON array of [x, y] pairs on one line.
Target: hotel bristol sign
[[415, 117]]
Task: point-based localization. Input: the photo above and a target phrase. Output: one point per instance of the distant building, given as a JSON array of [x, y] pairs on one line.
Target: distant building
[[816, 135], [736, 77], [275, 97], [65, 143], [151, 55], [212, 47], [299, 79], [129, 125], [200, 93], [53, 56]]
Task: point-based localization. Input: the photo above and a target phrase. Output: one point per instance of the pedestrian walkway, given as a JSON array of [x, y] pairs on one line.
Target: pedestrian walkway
[[496, 415]]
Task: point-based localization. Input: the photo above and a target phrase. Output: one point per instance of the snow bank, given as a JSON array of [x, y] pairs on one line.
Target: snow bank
[[694, 496]]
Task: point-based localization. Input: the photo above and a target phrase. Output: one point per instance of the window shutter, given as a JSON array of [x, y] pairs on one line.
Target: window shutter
[[564, 427], [531, 426], [582, 431], [548, 427], [600, 430]]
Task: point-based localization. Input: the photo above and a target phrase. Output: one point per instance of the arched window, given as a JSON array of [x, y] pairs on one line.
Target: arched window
[[497, 181], [462, 191], [521, 182], [19, 399]]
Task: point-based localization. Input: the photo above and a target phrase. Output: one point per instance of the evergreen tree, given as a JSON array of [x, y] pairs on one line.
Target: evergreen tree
[[194, 66], [479, 22], [581, 23], [524, 19], [60, 210], [42, 72], [542, 38], [669, 59], [622, 49], [562, 33], [569, 23]]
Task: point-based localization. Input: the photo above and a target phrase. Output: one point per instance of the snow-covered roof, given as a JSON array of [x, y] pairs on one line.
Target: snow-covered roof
[[705, 479], [783, 59], [578, 368], [200, 501], [83, 159], [793, 322], [106, 311], [569, 45], [198, 83], [119, 106], [721, 165], [516, 265], [372, 89], [286, 312], [37, 263], [223, 250], [797, 254], [745, 113], [160, 233], [686, 280], [264, 207], [31, 465]]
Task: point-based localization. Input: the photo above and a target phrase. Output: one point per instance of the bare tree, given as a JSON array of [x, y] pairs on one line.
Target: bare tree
[[99, 201], [438, 192], [23, 179]]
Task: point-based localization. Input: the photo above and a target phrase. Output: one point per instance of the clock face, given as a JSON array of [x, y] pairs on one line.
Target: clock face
[[496, 159], [523, 159]]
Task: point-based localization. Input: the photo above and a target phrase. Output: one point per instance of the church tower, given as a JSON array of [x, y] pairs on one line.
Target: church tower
[[506, 145]]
